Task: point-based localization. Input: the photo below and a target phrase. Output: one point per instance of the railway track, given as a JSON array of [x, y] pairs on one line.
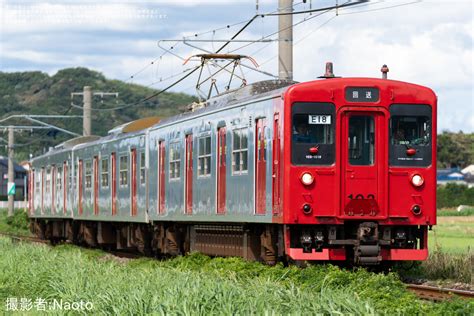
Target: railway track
[[425, 292], [434, 293], [18, 238]]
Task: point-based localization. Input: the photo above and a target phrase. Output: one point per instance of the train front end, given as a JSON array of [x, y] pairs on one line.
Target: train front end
[[359, 170]]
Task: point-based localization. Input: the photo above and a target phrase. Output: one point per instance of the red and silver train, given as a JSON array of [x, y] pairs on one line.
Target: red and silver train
[[339, 169]]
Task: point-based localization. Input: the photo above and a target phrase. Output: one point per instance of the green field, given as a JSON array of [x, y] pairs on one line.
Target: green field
[[199, 285], [453, 234]]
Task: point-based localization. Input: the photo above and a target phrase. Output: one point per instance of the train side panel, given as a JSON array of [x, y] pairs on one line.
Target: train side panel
[[240, 141]]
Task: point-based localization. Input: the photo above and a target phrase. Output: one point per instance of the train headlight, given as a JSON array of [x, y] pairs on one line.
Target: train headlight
[[417, 180], [307, 178]]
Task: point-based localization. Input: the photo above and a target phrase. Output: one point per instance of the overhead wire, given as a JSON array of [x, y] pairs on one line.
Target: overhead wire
[[134, 75], [384, 8], [247, 23], [330, 19]]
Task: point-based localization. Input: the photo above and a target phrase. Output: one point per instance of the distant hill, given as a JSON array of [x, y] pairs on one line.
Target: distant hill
[[35, 92], [455, 150], [38, 93]]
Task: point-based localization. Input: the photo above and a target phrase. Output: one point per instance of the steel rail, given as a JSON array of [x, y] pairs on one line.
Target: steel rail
[[434, 293]]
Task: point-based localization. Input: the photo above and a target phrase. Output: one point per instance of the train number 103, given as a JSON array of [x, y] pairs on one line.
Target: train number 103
[[361, 197]]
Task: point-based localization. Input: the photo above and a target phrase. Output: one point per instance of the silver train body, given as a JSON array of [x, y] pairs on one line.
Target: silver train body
[[57, 181]]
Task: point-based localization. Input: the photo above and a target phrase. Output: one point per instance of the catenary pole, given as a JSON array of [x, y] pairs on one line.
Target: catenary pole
[[11, 170], [285, 40]]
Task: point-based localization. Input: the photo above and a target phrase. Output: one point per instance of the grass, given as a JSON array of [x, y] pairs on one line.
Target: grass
[[199, 285], [468, 211], [453, 234], [451, 253], [18, 224]]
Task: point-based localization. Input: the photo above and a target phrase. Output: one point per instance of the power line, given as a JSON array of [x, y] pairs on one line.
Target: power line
[[248, 22], [166, 51], [384, 8]]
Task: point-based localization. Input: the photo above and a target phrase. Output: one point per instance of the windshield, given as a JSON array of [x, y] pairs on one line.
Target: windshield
[[410, 130], [410, 135], [309, 128], [312, 133]]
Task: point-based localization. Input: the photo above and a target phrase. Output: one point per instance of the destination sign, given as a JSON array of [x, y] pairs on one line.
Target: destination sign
[[362, 94]]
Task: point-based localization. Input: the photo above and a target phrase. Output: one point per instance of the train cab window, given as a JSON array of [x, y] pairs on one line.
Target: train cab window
[[361, 140], [204, 156], [175, 161], [104, 172], [123, 175], [88, 173], [312, 133], [240, 151], [410, 135]]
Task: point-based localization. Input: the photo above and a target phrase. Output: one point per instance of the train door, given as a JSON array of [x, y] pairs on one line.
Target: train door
[[42, 190], [133, 195], [80, 170], [221, 170], [96, 185], [276, 165], [162, 174], [31, 190], [65, 177], [113, 162], [260, 167], [189, 175], [52, 187], [363, 160]]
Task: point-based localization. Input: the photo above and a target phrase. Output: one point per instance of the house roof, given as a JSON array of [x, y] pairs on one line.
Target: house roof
[[4, 162], [469, 169]]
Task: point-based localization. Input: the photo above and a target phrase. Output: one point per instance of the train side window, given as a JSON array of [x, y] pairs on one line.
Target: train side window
[[240, 151], [123, 170], [104, 172], [175, 161], [313, 126], [59, 173], [88, 173], [142, 168], [38, 181], [204, 156], [410, 133], [48, 180]]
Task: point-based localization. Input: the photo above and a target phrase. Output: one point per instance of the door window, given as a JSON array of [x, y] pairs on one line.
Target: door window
[[361, 142]]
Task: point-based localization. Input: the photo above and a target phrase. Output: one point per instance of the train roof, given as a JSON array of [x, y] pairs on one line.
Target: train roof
[[256, 90], [259, 89]]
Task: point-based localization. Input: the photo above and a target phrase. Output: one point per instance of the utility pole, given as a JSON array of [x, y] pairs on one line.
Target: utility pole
[[87, 94], [285, 40], [11, 170], [11, 187], [86, 123]]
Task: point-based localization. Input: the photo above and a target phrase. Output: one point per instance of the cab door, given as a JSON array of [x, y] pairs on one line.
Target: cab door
[[364, 162], [133, 195], [189, 175], [260, 168], [221, 170]]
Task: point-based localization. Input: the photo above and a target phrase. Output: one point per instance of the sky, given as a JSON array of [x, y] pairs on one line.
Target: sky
[[424, 42]]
